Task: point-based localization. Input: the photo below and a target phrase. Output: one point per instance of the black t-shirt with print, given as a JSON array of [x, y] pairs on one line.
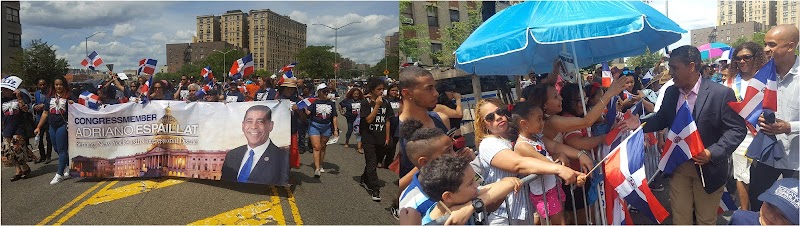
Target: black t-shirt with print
[[374, 132], [13, 119], [56, 108], [351, 108], [322, 111]]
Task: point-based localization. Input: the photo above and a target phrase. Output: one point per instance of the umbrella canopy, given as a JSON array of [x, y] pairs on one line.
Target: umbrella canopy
[[529, 36], [714, 49]]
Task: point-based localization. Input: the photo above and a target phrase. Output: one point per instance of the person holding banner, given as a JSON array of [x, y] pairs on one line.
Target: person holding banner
[[323, 124], [696, 186], [258, 161], [56, 115], [15, 121], [288, 92]]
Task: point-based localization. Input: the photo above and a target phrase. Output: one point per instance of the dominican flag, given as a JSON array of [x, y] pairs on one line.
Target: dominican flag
[[616, 208], [147, 66], [288, 70], [625, 173], [145, 88], [208, 86], [207, 74], [611, 110], [90, 100], [613, 134], [306, 103], [683, 141], [647, 77], [607, 77], [762, 93], [242, 67], [92, 61], [726, 203]]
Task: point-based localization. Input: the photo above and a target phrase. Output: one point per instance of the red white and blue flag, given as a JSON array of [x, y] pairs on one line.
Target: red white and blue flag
[[625, 172], [207, 74], [92, 61], [726, 203], [683, 141], [305, 103], [145, 88], [647, 77], [90, 100], [147, 66], [607, 77], [762, 93], [287, 70], [242, 67], [208, 86]]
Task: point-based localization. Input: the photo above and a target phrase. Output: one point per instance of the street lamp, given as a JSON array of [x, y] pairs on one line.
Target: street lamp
[[87, 42], [224, 61], [385, 54], [335, 43]]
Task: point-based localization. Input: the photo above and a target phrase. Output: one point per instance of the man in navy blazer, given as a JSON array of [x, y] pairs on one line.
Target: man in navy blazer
[[720, 128], [259, 161]]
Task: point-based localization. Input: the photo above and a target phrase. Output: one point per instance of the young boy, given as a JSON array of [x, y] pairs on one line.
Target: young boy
[[452, 183]]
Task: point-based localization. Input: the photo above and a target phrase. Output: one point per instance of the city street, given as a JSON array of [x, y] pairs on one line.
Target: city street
[[335, 198]]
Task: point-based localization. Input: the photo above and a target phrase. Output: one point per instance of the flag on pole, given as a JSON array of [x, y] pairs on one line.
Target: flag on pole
[[647, 77], [90, 100], [92, 61], [726, 203], [147, 66], [683, 141], [616, 208], [611, 110], [242, 67], [306, 103], [288, 70], [207, 74], [761, 93], [607, 77], [625, 172]]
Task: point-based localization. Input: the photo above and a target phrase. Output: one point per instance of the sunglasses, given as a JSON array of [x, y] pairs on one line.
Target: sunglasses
[[746, 58], [499, 112]]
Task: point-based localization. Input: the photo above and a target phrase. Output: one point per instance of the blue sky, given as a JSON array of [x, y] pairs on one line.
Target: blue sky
[[136, 30]]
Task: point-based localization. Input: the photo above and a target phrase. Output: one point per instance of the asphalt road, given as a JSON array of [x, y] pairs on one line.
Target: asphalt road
[[335, 198]]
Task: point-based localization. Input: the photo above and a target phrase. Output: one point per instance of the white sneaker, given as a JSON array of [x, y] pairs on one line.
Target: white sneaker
[[65, 176], [316, 173], [56, 179], [321, 170]]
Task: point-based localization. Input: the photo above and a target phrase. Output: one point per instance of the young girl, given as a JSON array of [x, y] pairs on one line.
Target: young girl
[[529, 144], [323, 124], [350, 108], [55, 112]]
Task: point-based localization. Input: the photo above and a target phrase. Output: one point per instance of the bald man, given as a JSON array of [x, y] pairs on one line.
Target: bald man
[[780, 43]]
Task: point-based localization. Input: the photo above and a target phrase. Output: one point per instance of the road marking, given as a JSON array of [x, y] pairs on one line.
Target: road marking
[[293, 205], [83, 204], [65, 207], [130, 190], [263, 212]]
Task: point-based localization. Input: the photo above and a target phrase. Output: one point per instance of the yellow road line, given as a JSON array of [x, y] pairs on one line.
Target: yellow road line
[[263, 212], [65, 207], [130, 190], [83, 204], [293, 205]]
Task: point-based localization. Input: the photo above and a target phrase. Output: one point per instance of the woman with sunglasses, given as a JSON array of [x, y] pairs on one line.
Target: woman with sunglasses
[[497, 159], [56, 115], [158, 92], [322, 125], [748, 58]]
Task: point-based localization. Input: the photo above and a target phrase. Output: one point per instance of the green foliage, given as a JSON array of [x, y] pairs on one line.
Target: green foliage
[[453, 36], [419, 45], [757, 37], [393, 67], [646, 60], [316, 62], [37, 61], [220, 65]]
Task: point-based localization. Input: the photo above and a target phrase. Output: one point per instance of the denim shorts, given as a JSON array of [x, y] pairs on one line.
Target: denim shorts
[[317, 129]]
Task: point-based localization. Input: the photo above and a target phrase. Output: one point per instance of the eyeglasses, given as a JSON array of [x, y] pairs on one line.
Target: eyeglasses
[[499, 112], [746, 58]]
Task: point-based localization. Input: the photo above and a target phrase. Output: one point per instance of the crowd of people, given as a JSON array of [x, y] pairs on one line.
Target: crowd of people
[[547, 133]]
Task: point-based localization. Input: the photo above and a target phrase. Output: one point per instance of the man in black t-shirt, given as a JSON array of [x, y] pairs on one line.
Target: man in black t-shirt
[[374, 129]]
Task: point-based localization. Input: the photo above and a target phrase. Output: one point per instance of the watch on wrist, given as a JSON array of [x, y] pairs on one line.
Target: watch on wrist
[[477, 204]]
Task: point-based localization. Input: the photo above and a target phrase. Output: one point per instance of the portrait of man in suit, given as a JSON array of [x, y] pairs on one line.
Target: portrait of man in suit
[[258, 161], [696, 186]]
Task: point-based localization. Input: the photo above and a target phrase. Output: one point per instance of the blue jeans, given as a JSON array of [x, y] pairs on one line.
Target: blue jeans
[[59, 137]]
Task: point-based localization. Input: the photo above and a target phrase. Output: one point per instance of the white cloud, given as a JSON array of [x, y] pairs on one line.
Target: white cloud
[[356, 41], [79, 15], [121, 30], [689, 15]]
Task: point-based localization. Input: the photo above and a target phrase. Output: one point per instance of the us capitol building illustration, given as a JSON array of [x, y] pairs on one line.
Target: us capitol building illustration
[[167, 157]]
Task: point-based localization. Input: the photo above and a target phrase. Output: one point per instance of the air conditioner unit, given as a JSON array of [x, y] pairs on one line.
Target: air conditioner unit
[[408, 21]]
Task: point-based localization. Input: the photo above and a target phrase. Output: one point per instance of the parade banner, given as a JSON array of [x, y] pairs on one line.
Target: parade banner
[[245, 141]]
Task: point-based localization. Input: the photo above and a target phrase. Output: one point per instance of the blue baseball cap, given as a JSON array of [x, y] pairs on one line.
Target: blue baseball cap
[[784, 195]]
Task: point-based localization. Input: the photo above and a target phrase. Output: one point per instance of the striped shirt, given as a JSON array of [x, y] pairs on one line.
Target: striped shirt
[[516, 202], [414, 197]]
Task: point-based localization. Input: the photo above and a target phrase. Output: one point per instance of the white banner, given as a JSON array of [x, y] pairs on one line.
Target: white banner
[[208, 140]]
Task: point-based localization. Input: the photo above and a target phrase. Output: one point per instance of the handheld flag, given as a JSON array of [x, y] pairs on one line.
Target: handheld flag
[[683, 141], [726, 203], [762, 93], [306, 103], [288, 70], [242, 67], [207, 74], [90, 100], [607, 77], [647, 77], [625, 173], [611, 110], [144, 89], [147, 66], [92, 61]]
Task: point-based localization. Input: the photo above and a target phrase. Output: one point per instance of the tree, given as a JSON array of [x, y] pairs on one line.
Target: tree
[[37, 61], [416, 41], [316, 62], [453, 36], [645, 60], [392, 66], [757, 37]]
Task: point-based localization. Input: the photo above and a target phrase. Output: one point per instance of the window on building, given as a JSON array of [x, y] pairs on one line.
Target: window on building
[[454, 16], [16, 40], [728, 38], [12, 15], [433, 16]]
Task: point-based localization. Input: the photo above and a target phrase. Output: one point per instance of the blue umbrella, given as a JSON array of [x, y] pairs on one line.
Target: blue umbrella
[[530, 36]]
